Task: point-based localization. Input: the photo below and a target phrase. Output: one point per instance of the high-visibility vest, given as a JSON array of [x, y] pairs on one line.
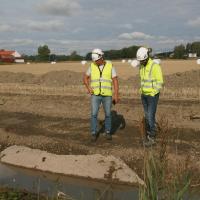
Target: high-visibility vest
[[151, 78], [101, 81]]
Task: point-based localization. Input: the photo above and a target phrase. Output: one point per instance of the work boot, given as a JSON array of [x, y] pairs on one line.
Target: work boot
[[108, 136], [144, 141], [150, 141], [93, 137]]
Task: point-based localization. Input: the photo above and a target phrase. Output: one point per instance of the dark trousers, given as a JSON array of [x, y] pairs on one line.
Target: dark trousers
[[150, 106]]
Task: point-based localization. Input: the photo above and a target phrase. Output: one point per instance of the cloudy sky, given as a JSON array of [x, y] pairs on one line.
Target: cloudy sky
[[81, 25]]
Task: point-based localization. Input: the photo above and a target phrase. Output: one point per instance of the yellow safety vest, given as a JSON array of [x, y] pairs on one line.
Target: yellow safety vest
[[151, 78], [101, 81]]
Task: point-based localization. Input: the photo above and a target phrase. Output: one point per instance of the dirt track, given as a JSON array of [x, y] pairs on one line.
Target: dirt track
[[59, 123]]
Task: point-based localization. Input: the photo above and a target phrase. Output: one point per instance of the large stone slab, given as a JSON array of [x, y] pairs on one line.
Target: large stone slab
[[105, 168]]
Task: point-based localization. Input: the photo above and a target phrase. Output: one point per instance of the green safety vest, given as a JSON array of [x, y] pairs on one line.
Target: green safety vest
[[101, 81], [151, 78]]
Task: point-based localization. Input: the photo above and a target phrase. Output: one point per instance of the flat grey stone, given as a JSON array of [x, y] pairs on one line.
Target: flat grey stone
[[99, 167]]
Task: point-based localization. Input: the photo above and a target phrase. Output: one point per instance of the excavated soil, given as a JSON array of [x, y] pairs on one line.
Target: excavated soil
[[59, 123], [65, 78]]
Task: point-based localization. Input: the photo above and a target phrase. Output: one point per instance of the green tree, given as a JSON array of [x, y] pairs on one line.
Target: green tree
[[195, 48], [52, 57], [62, 57], [189, 48], [43, 53], [75, 57], [128, 52], [179, 51]]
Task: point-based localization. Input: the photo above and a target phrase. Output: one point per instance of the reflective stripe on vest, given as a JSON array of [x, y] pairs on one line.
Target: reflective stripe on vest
[[101, 81]]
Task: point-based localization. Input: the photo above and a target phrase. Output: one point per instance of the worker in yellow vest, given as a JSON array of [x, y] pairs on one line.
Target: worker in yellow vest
[[151, 82], [99, 79]]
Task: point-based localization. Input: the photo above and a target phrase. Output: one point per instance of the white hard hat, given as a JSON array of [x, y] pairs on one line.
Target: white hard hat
[[142, 54], [97, 54]]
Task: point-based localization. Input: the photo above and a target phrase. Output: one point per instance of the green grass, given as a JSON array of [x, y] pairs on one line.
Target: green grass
[[161, 181], [14, 194]]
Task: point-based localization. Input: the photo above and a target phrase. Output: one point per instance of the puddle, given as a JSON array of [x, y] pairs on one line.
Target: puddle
[[50, 184], [75, 188]]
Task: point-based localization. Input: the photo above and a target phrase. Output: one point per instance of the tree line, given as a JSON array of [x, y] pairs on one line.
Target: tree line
[[180, 52], [45, 55], [129, 52]]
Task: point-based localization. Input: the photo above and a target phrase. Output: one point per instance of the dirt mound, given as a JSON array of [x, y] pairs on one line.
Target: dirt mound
[[62, 78], [183, 80], [55, 78], [188, 79], [132, 81], [10, 77]]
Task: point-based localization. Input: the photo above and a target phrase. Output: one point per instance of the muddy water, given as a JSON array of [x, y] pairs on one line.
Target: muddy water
[[75, 188], [50, 185]]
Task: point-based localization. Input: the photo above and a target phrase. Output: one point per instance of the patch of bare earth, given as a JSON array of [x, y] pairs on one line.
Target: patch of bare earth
[[52, 112]]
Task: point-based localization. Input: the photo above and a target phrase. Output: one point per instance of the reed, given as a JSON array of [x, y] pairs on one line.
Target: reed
[[161, 182]]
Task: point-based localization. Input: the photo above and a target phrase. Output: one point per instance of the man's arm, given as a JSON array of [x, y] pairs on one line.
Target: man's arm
[[158, 76], [116, 89], [86, 81]]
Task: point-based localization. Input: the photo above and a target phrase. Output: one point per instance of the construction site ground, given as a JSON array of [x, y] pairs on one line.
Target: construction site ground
[[52, 112]]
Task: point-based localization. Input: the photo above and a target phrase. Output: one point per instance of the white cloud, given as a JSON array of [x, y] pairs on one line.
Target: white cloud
[[194, 23], [53, 25], [84, 46], [171, 41], [140, 21], [126, 26], [30, 25], [161, 37], [59, 7], [22, 42], [166, 41], [135, 36], [6, 28], [16, 42], [78, 30]]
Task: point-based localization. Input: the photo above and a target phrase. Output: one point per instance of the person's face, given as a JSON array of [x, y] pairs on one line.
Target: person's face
[[100, 61], [144, 62]]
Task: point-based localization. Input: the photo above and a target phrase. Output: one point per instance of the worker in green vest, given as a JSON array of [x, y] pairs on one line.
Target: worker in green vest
[[99, 79], [151, 82]]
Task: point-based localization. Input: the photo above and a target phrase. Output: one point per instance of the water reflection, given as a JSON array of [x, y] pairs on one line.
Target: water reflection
[[51, 184]]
